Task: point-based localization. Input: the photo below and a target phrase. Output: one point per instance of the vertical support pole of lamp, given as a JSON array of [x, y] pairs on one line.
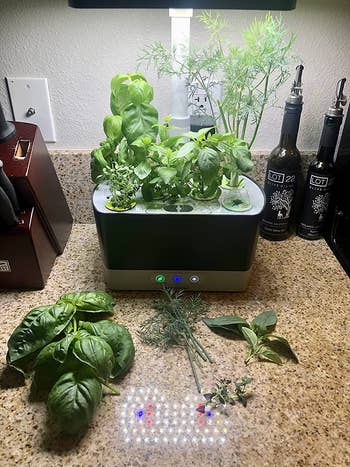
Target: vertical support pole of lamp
[[180, 45]]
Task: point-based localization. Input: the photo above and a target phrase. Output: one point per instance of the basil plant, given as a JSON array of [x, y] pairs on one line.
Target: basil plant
[[71, 355], [140, 153]]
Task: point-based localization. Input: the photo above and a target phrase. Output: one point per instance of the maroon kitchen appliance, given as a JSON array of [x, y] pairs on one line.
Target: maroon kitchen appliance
[[35, 221]]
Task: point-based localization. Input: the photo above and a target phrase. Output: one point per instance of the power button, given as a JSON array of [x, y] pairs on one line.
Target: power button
[[194, 279]]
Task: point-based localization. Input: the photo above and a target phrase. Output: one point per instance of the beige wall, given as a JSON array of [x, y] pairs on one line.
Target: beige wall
[[80, 50]]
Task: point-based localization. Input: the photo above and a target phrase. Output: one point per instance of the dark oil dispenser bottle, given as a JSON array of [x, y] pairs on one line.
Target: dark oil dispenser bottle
[[283, 169], [320, 176]]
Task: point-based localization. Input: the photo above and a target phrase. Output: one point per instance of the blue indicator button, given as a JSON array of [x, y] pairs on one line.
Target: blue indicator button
[[177, 279]]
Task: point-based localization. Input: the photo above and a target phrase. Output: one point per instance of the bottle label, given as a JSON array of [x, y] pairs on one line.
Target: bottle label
[[316, 201], [280, 188]]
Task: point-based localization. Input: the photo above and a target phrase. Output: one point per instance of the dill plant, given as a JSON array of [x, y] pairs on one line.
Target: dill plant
[[172, 326], [249, 75]]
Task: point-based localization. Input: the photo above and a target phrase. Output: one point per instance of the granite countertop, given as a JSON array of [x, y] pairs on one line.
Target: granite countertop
[[299, 414]]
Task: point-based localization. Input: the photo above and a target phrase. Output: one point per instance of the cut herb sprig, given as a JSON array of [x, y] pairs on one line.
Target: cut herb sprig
[[223, 395], [172, 326], [262, 343]]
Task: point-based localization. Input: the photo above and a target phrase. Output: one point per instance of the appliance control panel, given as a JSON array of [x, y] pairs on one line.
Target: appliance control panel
[[138, 279], [179, 280]]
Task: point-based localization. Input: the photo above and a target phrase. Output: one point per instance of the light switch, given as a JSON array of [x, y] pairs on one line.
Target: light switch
[[30, 102]]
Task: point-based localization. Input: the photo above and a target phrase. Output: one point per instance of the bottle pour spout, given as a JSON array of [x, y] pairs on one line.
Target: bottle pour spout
[[340, 98], [296, 88], [296, 92], [336, 109]]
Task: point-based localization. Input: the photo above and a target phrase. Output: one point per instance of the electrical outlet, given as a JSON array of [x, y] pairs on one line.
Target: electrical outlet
[[30, 101], [199, 103]]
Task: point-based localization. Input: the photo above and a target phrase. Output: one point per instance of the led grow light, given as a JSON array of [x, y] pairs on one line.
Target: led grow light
[[199, 4], [150, 417]]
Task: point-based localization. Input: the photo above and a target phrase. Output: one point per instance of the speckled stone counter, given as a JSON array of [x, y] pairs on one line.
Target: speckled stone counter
[[299, 415]]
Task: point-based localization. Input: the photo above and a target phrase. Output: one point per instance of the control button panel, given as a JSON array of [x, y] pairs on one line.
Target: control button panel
[[177, 279]]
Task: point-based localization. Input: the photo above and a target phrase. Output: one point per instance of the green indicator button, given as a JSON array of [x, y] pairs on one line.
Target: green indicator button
[[160, 278]]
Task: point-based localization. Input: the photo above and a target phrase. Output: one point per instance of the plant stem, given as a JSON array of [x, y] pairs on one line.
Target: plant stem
[[223, 118], [110, 387], [194, 351], [194, 371], [209, 359], [245, 121], [261, 111]]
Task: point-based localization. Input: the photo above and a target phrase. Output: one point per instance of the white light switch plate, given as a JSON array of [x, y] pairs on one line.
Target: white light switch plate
[[32, 93]]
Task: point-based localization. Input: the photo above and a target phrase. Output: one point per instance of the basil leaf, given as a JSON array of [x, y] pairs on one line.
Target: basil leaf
[[48, 368], [282, 347], [96, 353], [90, 302], [112, 126], [140, 120], [250, 337], [40, 326], [73, 400], [186, 149], [166, 174], [270, 355], [265, 319], [232, 324], [120, 341], [140, 91], [143, 170], [225, 321], [209, 163], [61, 348], [45, 376]]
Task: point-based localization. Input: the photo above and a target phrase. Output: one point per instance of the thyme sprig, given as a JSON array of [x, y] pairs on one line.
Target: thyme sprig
[[223, 395], [172, 326]]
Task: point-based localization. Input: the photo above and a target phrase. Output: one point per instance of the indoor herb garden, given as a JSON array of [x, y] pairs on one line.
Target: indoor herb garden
[[140, 153]]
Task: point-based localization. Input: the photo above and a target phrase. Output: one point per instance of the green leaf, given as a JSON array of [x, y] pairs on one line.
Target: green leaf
[[46, 373], [112, 126], [227, 323], [282, 347], [166, 174], [45, 355], [55, 350], [242, 156], [138, 121], [245, 164], [191, 135], [90, 302], [209, 163], [265, 320], [269, 354], [186, 149], [143, 170], [172, 141], [197, 135], [184, 170], [96, 353], [120, 341], [73, 401], [140, 91], [98, 163], [40, 326], [61, 348], [250, 337]]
